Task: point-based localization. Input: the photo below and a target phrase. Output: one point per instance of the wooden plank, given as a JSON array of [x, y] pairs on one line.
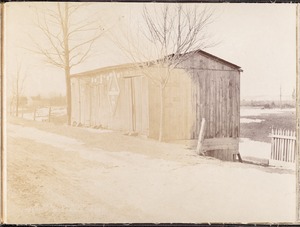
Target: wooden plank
[[238, 104], [218, 107], [221, 144], [281, 146], [206, 115], [272, 145], [226, 106], [291, 148], [201, 136], [198, 103], [223, 107], [212, 106], [204, 97], [294, 148], [237, 95], [229, 110], [216, 141], [231, 106], [283, 137]]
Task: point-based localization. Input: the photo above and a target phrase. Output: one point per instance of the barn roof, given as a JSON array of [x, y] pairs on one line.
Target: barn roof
[[213, 57], [143, 64]]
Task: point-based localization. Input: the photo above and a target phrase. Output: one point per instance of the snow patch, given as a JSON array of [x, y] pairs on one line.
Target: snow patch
[[246, 112], [42, 114], [93, 130], [40, 136], [249, 120], [256, 149]]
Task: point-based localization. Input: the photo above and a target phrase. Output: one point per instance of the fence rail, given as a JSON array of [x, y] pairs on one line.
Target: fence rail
[[283, 145]]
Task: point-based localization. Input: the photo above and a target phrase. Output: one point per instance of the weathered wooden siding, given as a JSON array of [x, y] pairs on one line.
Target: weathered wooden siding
[[202, 87], [177, 102], [91, 104], [215, 97]]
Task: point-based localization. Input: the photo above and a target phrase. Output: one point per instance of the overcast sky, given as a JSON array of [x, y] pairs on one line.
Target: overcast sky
[[258, 37]]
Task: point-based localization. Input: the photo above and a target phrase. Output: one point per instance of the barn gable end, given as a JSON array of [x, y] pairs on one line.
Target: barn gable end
[[200, 60]]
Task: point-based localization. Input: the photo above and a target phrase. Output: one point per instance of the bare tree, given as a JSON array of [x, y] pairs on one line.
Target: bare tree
[[172, 33], [69, 36], [17, 89]]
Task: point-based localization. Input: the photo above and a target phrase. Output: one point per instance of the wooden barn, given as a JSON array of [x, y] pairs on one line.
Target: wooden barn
[[125, 98]]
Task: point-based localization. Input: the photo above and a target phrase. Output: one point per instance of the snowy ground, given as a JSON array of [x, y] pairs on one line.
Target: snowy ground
[[60, 174], [252, 111], [255, 151], [42, 114], [249, 120]]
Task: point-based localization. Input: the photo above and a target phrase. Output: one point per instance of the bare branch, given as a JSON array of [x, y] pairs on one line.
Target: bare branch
[[171, 32], [68, 39]]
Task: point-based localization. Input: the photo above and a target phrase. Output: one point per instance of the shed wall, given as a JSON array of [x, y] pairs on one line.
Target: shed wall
[[177, 102], [216, 97], [202, 88], [92, 103]]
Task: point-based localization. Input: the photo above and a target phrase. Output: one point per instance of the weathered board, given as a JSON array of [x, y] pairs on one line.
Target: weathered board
[[215, 97], [110, 101]]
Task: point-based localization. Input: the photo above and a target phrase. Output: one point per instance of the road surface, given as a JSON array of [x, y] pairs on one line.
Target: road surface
[[60, 174]]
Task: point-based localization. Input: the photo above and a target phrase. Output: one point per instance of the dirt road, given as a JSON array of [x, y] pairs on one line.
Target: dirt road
[[59, 174]]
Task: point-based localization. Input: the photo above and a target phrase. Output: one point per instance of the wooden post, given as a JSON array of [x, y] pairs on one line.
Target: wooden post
[[133, 119], [201, 136]]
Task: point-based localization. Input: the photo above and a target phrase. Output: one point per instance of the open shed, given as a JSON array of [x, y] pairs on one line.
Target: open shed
[[124, 98]]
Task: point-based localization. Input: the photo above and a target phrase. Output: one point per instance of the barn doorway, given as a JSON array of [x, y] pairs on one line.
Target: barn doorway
[[137, 99]]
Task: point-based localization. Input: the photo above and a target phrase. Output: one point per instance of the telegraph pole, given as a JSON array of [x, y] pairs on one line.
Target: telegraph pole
[[280, 98]]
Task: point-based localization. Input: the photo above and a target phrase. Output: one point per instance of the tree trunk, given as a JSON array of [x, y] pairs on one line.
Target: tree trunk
[[79, 101], [68, 94], [67, 64], [17, 107], [162, 113], [17, 98]]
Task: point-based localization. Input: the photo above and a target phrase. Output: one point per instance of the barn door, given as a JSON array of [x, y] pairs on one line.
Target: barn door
[[133, 105], [137, 97]]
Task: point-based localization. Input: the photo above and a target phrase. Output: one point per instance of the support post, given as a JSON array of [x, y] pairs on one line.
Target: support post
[[201, 136]]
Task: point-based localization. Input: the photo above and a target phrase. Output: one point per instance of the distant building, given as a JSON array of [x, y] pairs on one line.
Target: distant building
[[123, 98]]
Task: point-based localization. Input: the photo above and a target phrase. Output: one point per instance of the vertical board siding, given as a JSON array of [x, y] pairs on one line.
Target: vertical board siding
[[216, 98]]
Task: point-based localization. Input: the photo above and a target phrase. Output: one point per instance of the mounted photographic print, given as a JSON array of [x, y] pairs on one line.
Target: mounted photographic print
[[149, 113]]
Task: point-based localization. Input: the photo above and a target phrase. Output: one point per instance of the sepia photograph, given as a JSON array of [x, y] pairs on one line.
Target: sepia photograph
[[149, 113]]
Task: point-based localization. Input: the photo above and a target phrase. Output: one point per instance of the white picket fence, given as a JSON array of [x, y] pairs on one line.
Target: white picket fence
[[283, 146]]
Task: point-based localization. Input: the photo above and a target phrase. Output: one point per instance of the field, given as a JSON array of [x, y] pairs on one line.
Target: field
[[257, 122]]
